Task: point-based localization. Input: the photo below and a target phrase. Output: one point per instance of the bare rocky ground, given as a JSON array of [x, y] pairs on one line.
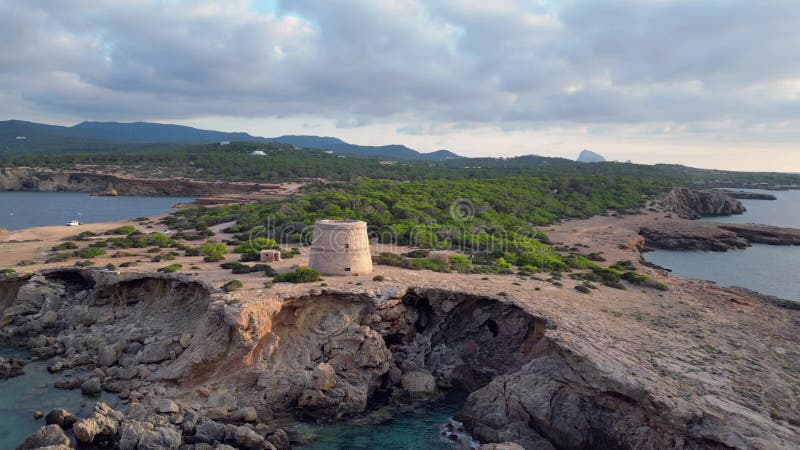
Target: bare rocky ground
[[698, 366]]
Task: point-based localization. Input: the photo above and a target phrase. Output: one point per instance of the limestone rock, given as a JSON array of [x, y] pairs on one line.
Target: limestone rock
[[210, 431], [92, 386], [248, 438], [694, 204], [419, 385], [10, 367], [48, 435], [107, 355], [136, 435], [60, 417], [246, 414], [323, 378], [104, 422], [155, 353], [502, 446], [280, 440], [165, 406]]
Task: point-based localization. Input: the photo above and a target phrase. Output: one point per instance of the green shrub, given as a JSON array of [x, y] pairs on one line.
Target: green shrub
[[2, 271], [256, 245], [417, 253], [460, 263], [84, 236], [582, 289], [171, 268], [388, 259], [300, 275], [232, 285], [501, 263], [89, 252], [250, 257], [129, 264], [579, 262], [84, 263], [69, 245], [58, 257], [378, 278], [26, 262], [643, 280], [123, 230], [213, 251]]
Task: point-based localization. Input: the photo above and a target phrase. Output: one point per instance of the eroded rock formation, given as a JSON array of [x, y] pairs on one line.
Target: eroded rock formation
[[28, 179], [682, 235], [694, 204], [200, 369]]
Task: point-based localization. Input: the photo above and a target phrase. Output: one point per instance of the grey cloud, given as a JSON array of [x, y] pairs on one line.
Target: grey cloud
[[434, 66]]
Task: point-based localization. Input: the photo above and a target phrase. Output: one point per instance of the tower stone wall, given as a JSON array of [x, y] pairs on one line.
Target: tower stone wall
[[340, 247]]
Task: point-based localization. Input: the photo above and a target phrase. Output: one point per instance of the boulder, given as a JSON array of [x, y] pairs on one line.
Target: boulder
[[165, 406], [324, 377], [419, 385], [107, 355], [136, 435], [210, 431], [248, 438], [155, 353], [60, 417], [104, 422], [280, 440], [246, 414], [46, 436], [92, 386], [10, 367]]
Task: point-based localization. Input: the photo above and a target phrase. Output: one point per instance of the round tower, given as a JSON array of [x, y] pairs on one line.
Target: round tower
[[340, 247]]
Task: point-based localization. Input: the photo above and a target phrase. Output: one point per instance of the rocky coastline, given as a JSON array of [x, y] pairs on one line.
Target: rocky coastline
[[710, 236], [695, 204], [196, 368], [675, 234], [741, 195], [105, 184]]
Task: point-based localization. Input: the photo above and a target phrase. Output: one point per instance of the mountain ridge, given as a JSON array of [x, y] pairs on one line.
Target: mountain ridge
[[20, 137]]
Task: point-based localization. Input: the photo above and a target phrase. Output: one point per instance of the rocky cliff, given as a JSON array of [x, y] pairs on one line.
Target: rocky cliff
[[201, 367], [694, 204], [710, 236], [27, 179]]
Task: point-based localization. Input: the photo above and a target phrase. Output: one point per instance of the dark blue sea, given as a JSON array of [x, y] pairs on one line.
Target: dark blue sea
[[764, 268], [34, 209]]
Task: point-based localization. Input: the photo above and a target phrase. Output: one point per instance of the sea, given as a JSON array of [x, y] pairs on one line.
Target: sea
[[35, 209], [21, 396], [763, 268]]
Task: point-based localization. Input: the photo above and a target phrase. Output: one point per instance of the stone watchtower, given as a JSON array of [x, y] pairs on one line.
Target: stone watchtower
[[340, 247]]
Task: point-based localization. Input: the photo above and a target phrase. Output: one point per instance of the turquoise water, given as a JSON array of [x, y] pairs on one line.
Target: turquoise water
[[764, 268], [419, 429], [21, 396], [34, 209]]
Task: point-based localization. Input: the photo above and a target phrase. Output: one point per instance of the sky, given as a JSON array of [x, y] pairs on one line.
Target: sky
[[705, 83]]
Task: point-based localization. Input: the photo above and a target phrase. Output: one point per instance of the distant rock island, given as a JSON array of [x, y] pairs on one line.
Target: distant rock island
[[589, 156]]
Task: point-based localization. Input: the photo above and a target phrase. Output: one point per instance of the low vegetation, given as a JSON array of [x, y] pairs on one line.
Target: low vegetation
[[232, 285], [299, 275], [171, 268]]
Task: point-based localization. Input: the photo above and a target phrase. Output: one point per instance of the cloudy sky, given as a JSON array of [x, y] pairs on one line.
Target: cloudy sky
[[709, 83]]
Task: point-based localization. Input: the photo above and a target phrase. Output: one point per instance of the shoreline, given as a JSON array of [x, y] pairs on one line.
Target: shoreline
[[608, 338]]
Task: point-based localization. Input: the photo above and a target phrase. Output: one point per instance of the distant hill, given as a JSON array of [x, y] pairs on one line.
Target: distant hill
[[589, 156], [19, 137]]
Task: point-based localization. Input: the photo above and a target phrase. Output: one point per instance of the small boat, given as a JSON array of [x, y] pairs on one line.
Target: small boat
[[73, 223]]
